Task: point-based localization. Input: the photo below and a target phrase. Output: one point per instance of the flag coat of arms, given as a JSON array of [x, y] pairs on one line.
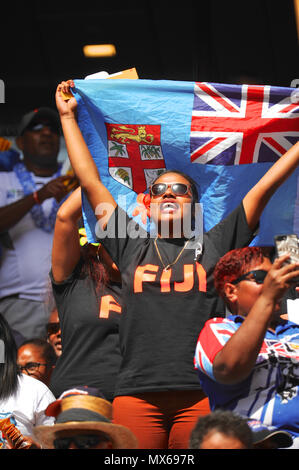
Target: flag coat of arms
[[224, 136]]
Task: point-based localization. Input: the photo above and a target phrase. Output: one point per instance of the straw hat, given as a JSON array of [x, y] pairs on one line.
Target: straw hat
[[84, 409]]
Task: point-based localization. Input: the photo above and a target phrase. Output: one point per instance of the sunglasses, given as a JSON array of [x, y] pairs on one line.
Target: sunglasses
[[179, 189], [257, 276], [31, 367], [53, 328], [81, 441]]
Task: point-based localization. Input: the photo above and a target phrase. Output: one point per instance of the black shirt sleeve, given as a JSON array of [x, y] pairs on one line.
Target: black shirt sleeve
[[232, 232]]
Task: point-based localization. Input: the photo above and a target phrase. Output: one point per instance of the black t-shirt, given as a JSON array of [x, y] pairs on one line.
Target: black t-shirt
[[89, 334], [163, 312]]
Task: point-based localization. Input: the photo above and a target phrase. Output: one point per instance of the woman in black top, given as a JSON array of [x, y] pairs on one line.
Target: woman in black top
[[167, 288], [86, 286]]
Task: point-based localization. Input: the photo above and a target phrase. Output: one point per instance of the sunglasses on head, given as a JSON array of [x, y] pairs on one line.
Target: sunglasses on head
[[53, 328], [81, 441], [83, 238], [179, 189], [257, 275]]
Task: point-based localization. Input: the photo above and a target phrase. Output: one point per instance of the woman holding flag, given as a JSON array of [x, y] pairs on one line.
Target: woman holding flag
[[167, 288]]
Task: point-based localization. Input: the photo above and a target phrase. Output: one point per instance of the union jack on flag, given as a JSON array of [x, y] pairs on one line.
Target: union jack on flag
[[241, 124]]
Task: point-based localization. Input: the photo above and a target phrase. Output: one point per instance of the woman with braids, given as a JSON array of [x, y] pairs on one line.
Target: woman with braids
[[23, 399], [167, 288], [86, 287]]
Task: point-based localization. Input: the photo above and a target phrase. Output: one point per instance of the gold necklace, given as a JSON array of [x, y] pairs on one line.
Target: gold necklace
[[166, 267]]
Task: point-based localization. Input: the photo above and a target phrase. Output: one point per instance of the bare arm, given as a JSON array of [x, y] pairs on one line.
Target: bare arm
[[237, 358], [257, 198], [66, 246], [11, 214], [79, 155]]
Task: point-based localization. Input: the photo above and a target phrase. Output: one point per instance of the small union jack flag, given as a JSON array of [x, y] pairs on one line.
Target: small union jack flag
[[241, 124]]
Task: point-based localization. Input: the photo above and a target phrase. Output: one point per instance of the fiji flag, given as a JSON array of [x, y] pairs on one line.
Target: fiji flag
[[224, 136]]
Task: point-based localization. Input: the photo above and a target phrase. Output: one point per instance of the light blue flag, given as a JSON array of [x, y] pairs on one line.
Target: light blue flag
[[224, 136]]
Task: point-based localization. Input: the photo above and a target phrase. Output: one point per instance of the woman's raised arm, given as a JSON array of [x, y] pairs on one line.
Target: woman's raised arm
[[66, 246], [257, 198], [79, 155]]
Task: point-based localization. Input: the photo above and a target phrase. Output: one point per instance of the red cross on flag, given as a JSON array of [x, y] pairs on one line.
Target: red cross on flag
[[135, 154]]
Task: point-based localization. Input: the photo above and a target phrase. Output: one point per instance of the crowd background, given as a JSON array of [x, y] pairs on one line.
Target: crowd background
[[209, 54]]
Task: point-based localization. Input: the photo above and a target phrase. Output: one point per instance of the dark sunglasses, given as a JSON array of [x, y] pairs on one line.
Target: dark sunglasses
[[31, 367], [257, 276], [81, 441], [53, 328], [40, 126], [179, 189]]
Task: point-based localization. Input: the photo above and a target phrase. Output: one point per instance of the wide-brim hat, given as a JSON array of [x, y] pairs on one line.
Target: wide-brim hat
[[82, 410], [37, 114]]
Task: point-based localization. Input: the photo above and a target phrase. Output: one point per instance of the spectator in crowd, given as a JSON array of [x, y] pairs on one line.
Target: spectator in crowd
[[248, 362], [29, 198], [221, 430], [87, 288], [269, 437], [23, 399], [36, 357], [54, 332], [167, 288], [83, 421]]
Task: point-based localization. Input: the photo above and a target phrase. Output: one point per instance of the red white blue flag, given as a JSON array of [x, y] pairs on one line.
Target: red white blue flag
[[224, 136]]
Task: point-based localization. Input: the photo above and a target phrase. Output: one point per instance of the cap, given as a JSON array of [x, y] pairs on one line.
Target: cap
[[262, 433], [35, 115]]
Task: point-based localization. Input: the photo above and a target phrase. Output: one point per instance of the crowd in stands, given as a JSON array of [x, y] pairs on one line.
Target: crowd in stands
[[136, 350]]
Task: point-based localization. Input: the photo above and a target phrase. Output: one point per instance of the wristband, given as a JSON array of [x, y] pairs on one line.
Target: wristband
[[35, 197]]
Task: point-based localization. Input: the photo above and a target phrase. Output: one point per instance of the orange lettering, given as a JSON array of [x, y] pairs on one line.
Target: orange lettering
[[165, 281], [202, 278], [188, 282], [108, 304], [141, 276]]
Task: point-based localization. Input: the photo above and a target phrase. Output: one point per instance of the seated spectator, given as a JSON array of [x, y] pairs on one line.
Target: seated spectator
[[22, 398], [221, 430], [83, 421], [54, 332], [248, 362], [36, 357]]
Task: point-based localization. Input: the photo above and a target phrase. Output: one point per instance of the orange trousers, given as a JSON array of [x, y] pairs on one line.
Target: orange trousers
[[161, 420]]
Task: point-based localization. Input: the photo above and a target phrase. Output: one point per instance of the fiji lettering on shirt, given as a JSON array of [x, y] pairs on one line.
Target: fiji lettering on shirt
[[149, 273], [108, 304]]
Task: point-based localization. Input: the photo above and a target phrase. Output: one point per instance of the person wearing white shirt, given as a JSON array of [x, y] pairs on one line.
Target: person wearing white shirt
[[23, 399], [29, 199]]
